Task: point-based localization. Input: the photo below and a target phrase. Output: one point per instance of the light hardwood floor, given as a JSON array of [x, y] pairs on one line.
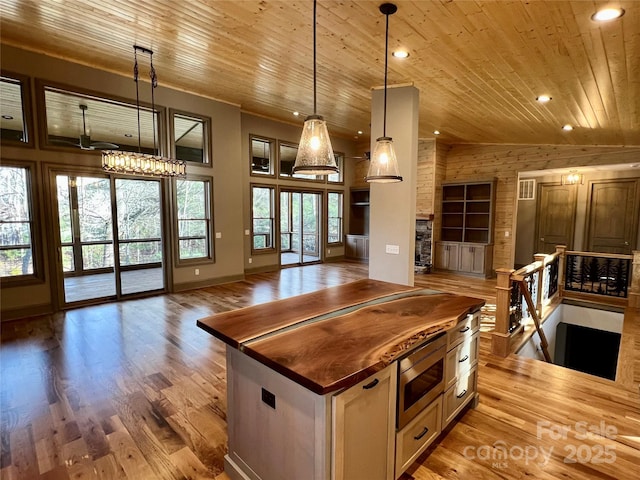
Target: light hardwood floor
[[135, 390]]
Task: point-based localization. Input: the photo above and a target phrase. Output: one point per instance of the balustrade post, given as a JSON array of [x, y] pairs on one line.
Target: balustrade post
[[561, 249], [539, 257], [634, 288], [500, 339]]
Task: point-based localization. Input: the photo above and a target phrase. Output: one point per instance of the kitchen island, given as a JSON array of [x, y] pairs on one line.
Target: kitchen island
[[312, 381]]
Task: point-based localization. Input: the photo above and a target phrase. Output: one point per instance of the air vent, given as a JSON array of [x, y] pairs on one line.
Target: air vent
[[527, 189]]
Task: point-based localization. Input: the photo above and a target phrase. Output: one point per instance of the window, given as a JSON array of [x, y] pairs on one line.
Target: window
[[87, 122], [15, 121], [261, 156], [337, 177], [18, 257], [190, 135], [193, 204], [334, 209], [262, 218], [287, 155]]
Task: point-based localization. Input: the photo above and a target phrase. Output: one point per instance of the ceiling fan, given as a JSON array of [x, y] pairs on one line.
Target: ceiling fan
[[84, 141]]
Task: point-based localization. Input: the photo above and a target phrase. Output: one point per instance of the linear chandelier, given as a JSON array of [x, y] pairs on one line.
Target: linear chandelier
[[315, 154], [138, 163], [384, 164]]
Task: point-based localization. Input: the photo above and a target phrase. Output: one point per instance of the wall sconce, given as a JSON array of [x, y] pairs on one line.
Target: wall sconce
[[573, 178]]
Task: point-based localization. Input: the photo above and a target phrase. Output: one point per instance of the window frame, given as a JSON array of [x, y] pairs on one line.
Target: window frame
[[206, 131], [175, 229], [341, 241], [273, 156], [281, 143], [27, 114], [38, 275], [340, 163], [274, 244], [43, 134]]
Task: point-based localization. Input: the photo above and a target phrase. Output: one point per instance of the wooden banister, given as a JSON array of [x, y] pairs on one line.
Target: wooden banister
[[544, 344]]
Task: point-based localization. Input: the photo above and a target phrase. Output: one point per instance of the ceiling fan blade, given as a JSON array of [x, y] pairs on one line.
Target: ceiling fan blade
[[105, 145]]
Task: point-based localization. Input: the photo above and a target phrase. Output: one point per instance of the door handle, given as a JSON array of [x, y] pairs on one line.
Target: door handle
[[465, 329], [421, 434], [460, 395], [463, 359], [626, 244], [542, 239]]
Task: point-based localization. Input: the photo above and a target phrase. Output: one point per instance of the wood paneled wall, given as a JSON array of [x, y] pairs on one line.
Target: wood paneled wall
[[425, 177], [504, 162]]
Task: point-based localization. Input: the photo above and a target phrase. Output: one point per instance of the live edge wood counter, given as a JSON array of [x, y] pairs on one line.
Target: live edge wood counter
[[312, 381], [333, 338]]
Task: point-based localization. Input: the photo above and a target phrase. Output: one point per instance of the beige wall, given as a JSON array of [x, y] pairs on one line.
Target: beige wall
[[503, 162]]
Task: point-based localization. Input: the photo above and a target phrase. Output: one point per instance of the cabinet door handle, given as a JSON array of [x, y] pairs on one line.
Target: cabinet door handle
[[421, 434], [371, 385], [460, 395], [465, 329], [464, 359]]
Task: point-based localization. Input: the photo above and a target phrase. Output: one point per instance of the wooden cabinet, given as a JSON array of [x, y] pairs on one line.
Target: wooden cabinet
[[357, 246], [467, 221], [364, 428], [467, 258], [417, 435], [460, 368]]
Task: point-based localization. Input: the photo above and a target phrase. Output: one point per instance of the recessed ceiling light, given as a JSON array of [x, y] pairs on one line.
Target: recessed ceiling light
[[400, 54], [567, 127], [7, 117], [436, 132], [295, 114], [607, 14], [543, 98], [359, 132]]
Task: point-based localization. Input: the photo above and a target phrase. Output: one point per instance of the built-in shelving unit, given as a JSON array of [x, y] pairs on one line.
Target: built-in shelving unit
[[466, 233], [357, 240]]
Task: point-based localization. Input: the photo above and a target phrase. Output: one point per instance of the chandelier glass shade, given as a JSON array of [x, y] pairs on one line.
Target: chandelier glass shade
[[315, 153], [134, 163], [138, 163], [383, 167]]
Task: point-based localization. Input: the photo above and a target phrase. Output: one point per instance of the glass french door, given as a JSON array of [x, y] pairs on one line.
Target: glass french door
[[300, 239], [110, 242]]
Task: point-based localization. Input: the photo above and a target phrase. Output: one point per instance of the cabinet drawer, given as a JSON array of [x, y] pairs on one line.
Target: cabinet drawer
[[461, 359], [464, 329], [456, 397], [417, 435]]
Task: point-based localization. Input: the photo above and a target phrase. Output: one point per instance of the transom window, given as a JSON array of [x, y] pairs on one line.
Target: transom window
[[86, 122], [190, 137], [261, 153], [14, 111], [287, 155]]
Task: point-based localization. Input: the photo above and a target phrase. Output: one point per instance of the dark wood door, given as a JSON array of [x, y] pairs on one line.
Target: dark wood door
[[613, 216], [556, 216]]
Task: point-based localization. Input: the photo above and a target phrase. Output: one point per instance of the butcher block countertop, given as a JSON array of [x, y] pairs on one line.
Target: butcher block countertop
[[336, 337]]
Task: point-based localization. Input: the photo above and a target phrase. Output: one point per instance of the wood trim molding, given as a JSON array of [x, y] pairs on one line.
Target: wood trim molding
[[183, 287], [10, 315]]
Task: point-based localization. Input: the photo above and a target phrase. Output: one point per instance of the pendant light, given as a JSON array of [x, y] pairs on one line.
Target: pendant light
[[138, 163], [384, 165], [315, 154]]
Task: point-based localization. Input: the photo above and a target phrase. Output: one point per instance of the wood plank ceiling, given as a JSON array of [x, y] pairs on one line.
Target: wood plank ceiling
[[479, 65]]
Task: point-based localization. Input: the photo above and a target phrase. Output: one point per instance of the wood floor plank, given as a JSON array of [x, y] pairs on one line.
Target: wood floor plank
[[134, 390]]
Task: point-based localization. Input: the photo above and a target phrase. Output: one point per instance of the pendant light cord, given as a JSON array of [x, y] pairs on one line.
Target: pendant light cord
[[314, 55], [386, 56], [154, 84]]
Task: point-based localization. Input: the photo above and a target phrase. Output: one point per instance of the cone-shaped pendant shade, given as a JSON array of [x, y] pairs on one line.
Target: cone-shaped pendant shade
[[383, 167], [315, 154]]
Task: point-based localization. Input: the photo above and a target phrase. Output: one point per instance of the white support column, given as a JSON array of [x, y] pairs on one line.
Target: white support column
[[393, 205]]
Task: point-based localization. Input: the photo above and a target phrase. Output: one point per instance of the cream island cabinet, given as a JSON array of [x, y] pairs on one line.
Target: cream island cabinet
[[314, 381]]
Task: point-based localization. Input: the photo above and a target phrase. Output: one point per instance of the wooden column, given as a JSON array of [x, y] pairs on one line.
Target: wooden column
[[500, 340], [561, 249], [634, 289]]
